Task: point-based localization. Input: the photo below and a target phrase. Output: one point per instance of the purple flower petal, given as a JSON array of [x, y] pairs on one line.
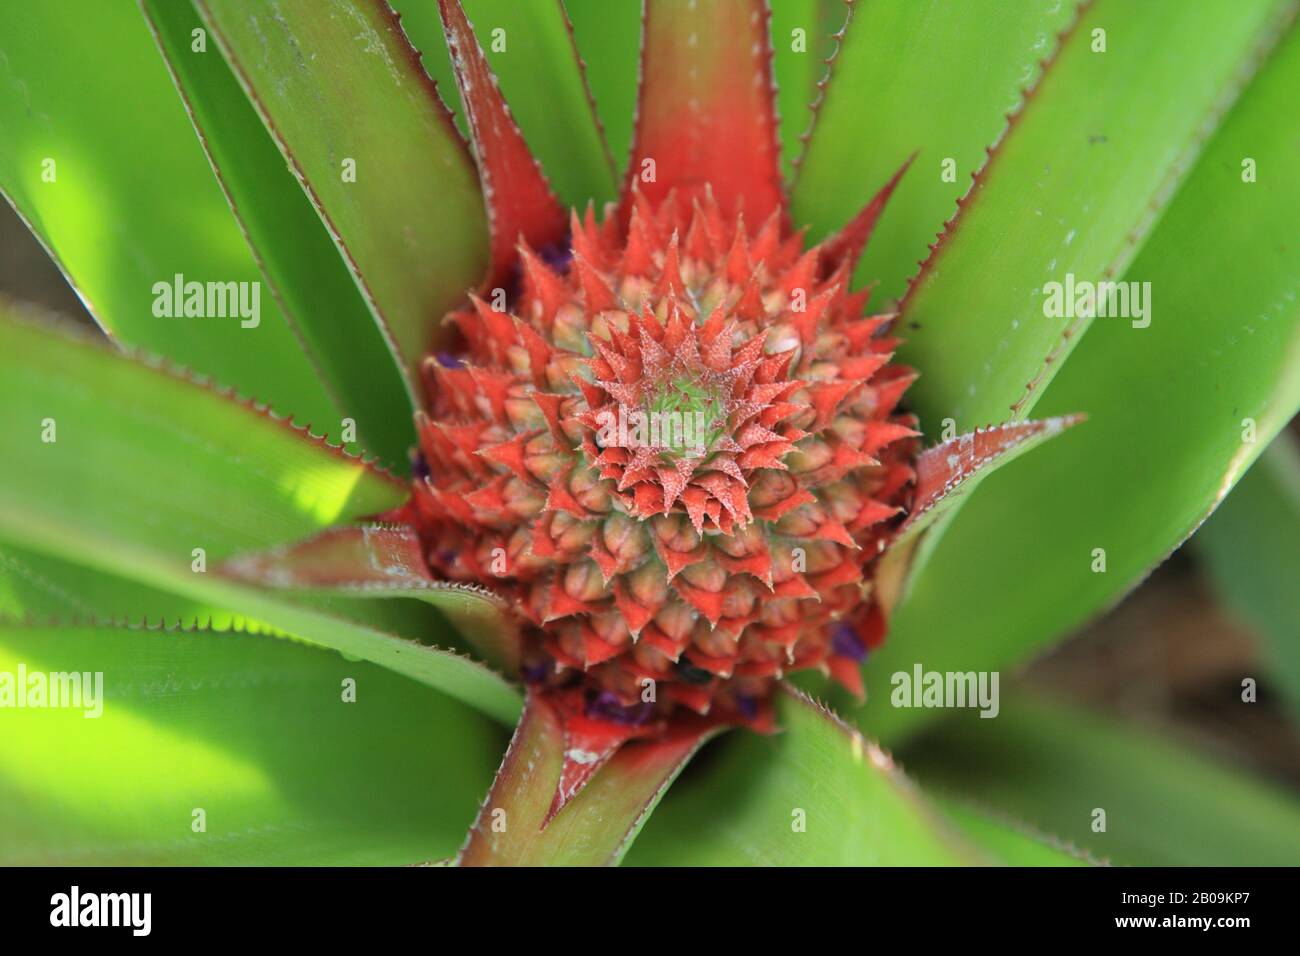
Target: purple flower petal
[[846, 643]]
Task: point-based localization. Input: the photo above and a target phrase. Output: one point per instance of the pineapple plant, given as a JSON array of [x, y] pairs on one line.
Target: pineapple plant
[[636, 377]]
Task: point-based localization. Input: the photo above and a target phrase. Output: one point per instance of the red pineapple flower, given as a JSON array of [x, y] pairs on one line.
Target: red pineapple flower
[[681, 457], [672, 437]]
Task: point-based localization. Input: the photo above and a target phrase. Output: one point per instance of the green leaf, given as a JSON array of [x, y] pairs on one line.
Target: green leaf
[[608, 36], [34, 586], [596, 827], [751, 796], [136, 449], [306, 274], [133, 201], [38, 588], [926, 75], [1010, 841], [1164, 439], [1252, 548], [336, 81], [803, 39], [531, 49], [1072, 189], [145, 467], [252, 731], [1055, 766]]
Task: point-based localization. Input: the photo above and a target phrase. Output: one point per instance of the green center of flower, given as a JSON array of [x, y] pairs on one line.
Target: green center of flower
[[686, 417]]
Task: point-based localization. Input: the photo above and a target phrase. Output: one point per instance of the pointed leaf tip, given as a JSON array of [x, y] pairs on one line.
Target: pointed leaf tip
[[955, 466], [944, 474], [381, 561], [706, 113], [518, 198]]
